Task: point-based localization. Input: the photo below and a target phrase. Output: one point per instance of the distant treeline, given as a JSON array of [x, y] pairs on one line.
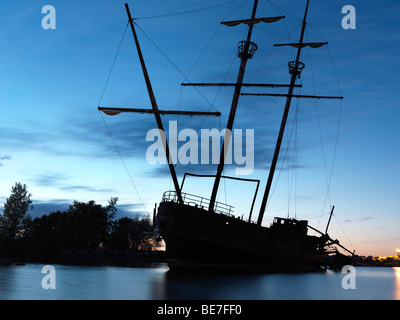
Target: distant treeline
[[83, 226], [371, 261]]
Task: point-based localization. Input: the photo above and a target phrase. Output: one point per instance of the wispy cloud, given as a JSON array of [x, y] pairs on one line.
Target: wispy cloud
[[76, 188], [5, 157], [62, 182], [357, 220], [41, 208], [50, 179]]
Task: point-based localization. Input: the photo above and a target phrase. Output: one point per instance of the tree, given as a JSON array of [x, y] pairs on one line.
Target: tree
[[89, 224], [134, 234], [15, 219]]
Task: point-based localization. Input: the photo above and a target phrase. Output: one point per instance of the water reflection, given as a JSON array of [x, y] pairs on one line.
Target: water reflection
[[303, 286], [397, 286], [157, 283], [176, 286]]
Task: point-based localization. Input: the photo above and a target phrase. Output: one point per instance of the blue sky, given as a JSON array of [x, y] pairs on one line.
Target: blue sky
[[53, 138]]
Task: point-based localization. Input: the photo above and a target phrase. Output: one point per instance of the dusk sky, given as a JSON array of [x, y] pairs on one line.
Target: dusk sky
[[54, 140]]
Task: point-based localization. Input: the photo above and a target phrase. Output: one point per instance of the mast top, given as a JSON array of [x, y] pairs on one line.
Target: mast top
[[246, 49]]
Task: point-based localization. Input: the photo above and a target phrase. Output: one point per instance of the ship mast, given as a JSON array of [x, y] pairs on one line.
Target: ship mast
[[235, 101], [154, 106], [246, 51], [155, 110], [295, 68]]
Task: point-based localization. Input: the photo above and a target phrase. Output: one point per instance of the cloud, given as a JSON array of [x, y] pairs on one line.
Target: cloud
[[5, 157], [264, 144], [83, 137], [61, 182], [357, 220], [50, 180], [41, 208], [76, 188]]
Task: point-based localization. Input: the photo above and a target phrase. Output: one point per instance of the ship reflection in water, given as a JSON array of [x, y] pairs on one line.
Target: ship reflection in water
[[158, 283], [371, 284]]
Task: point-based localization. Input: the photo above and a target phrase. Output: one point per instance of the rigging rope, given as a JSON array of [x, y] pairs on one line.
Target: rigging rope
[[329, 179], [338, 125], [279, 9], [174, 65], [347, 238], [195, 63], [107, 127], [185, 12], [272, 48], [113, 64], [185, 77], [123, 162], [287, 149], [212, 38], [321, 140]]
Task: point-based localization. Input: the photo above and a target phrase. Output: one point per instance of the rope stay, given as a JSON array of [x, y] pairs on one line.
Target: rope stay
[[108, 128], [123, 162], [113, 64], [328, 171], [185, 12]]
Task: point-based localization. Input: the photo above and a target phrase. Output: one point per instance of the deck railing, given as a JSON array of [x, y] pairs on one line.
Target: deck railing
[[197, 201]]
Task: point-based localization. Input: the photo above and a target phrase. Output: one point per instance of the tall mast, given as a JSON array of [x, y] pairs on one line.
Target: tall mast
[[154, 107], [238, 86], [295, 68]]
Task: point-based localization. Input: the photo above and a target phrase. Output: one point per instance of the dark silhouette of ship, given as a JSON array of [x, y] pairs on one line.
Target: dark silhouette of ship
[[202, 234]]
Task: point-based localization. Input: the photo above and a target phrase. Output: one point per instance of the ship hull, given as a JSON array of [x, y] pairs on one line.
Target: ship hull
[[197, 239]]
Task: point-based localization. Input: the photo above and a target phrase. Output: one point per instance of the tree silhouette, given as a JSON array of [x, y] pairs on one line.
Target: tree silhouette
[[132, 234], [85, 225], [15, 221]]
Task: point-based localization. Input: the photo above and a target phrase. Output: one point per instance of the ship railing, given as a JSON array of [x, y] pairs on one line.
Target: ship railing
[[197, 201]]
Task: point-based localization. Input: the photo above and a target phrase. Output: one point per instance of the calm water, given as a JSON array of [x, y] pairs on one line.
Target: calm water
[[78, 282]]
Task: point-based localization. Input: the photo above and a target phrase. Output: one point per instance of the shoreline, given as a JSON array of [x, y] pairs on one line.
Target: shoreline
[[90, 257], [137, 259]]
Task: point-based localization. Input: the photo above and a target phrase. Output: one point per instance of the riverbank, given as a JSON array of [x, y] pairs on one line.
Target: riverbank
[[127, 258], [93, 257]]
